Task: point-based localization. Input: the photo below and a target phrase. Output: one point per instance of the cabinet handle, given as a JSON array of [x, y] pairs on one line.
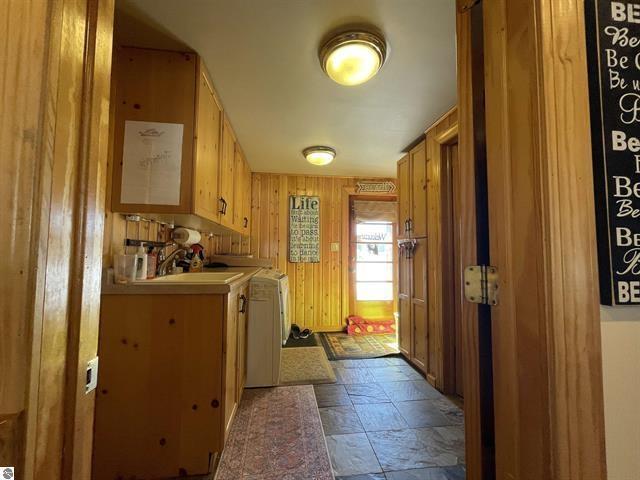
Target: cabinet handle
[[243, 304], [246, 222], [410, 222], [215, 403], [223, 208], [406, 226]]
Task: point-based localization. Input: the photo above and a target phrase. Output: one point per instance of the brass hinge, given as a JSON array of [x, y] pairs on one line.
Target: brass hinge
[[481, 284]]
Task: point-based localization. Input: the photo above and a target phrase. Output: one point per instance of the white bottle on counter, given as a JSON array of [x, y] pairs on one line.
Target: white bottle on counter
[[141, 263]]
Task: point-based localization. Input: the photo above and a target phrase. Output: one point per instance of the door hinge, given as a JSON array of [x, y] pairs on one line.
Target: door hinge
[[481, 284]]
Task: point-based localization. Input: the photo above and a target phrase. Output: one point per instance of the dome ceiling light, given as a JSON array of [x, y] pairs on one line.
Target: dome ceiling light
[[319, 155], [354, 57]]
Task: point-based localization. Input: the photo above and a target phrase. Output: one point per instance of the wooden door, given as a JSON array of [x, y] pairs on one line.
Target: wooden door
[[207, 160], [420, 346], [238, 190], [227, 178], [418, 185], [230, 361], [404, 197], [405, 332], [458, 293]]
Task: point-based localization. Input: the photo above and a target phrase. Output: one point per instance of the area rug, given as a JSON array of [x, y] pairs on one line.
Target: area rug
[[340, 346], [310, 341], [304, 366], [276, 435]]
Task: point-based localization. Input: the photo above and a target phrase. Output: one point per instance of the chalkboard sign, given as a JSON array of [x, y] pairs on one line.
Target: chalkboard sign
[[304, 229], [613, 49]]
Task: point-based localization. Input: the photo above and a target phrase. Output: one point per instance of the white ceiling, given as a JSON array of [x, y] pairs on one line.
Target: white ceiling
[[262, 55]]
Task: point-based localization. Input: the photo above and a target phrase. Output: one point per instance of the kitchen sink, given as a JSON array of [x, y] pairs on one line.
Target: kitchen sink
[[196, 278]]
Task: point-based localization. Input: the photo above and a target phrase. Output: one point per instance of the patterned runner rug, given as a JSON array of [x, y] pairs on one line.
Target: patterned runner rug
[[276, 435], [340, 346]]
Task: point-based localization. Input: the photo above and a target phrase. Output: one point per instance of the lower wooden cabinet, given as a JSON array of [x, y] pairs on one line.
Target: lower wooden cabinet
[[172, 371], [413, 332]]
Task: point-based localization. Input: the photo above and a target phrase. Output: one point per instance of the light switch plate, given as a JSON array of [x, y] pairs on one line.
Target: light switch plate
[[92, 375], [335, 246]]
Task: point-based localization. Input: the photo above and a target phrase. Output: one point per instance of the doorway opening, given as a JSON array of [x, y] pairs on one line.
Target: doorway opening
[[372, 271]]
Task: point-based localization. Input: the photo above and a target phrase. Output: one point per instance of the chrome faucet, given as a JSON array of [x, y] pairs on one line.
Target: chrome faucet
[[168, 263]]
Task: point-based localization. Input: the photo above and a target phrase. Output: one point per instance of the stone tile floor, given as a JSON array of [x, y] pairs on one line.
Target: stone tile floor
[[383, 421]]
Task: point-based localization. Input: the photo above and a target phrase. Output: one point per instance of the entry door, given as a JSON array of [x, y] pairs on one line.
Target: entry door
[[373, 259]]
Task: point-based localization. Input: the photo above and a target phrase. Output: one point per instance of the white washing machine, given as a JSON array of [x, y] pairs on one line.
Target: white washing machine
[[268, 327]]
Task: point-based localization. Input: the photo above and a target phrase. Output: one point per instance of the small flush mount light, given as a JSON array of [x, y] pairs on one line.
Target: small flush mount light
[[319, 155], [354, 57]]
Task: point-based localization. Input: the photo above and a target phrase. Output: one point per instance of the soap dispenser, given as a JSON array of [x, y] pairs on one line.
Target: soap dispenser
[[141, 263]]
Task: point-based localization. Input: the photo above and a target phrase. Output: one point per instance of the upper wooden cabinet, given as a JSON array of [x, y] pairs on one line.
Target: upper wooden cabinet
[[208, 134], [412, 193], [404, 197], [166, 87], [227, 177], [418, 168], [242, 197]]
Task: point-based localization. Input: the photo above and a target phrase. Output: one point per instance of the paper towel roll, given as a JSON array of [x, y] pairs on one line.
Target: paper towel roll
[[185, 236]]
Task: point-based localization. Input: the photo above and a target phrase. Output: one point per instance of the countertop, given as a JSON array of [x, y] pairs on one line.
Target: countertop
[[109, 288]]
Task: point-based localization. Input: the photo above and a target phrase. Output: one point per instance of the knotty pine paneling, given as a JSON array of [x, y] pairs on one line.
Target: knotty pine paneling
[[319, 292]]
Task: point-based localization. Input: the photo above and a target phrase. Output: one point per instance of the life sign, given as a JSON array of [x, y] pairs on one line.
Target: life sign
[[613, 54], [304, 229]]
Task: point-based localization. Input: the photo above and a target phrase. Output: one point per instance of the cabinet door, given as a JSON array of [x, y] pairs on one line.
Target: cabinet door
[[404, 305], [404, 197], [238, 191], [418, 216], [230, 361], [227, 163], [206, 165], [153, 86], [243, 305], [246, 220], [420, 332]]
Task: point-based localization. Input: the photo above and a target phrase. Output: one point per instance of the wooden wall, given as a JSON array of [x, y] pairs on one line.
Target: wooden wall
[[319, 292], [55, 96]]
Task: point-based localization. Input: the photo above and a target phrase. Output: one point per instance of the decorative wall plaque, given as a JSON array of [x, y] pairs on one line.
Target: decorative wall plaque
[[375, 187], [304, 229], [613, 52]]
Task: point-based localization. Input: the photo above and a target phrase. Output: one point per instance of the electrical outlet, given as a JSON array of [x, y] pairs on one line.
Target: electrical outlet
[[335, 246], [92, 375]]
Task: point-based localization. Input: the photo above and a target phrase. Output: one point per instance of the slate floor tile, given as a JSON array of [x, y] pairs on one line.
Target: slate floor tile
[[380, 416], [331, 395], [418, 448], [338, 420], [449, 410], [410, 372], [422, 413], [435, 473], [368, 476], [366, 393], [349, 363], [389, 374], [405, 391], [353, 375], [352, 454]]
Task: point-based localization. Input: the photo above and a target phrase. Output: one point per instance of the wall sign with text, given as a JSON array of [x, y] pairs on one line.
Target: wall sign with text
[[304, 229], [613, 52]]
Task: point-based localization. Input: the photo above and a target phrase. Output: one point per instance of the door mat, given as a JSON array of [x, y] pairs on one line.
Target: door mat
[[277, 433], [304, 366], [341, 346], [310, 341]]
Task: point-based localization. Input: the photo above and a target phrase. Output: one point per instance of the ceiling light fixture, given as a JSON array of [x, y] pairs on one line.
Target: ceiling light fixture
[[319, 155], [354, 57]]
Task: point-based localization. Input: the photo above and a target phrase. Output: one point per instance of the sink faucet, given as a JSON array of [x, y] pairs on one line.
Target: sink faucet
[[166, 265]]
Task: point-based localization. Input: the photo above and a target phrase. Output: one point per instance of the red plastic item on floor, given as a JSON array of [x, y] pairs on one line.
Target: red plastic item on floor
[[357, 325]]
